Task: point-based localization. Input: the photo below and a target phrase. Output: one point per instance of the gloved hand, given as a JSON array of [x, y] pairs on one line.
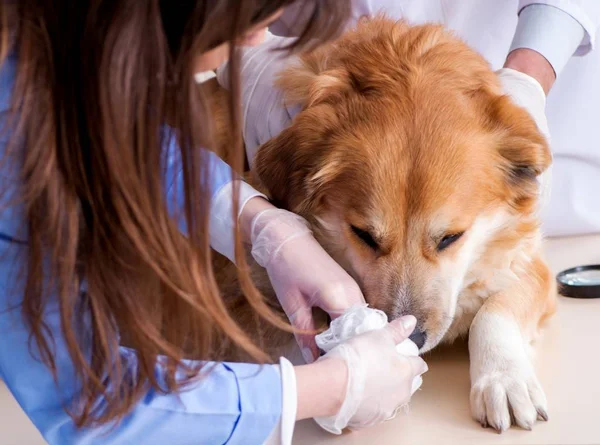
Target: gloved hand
[[527, 93], [358, 320], [302, 274], [380, 379]]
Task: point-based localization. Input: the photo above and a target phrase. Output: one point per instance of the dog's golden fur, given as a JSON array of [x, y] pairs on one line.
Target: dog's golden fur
[[418, 176]]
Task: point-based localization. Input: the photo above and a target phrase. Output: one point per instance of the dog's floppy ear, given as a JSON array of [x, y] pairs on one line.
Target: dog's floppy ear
[[312, 80], [293, 166], [524, 151]]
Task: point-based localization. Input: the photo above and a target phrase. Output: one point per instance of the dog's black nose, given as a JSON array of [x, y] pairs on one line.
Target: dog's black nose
[[418, 337]]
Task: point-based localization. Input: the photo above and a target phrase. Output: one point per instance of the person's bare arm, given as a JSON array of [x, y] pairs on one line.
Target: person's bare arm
[[532, 63]]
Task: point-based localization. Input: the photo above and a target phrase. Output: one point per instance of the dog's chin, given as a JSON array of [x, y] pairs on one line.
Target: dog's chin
[[432, 343], [435, 338]]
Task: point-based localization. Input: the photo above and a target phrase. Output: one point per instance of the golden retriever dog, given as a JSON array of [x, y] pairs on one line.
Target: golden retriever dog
[[419, 177]]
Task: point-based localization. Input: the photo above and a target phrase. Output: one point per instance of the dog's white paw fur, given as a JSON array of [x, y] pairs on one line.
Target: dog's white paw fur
[[502, 398], [504, 388]]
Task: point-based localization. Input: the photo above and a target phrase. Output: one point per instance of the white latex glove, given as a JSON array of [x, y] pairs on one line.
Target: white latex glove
[[358, 320], [302, 274], [527, 92], [380, 379]]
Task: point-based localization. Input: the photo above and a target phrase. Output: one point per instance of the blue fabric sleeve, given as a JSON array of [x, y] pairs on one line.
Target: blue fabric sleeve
[[235, 403], [218, 173]]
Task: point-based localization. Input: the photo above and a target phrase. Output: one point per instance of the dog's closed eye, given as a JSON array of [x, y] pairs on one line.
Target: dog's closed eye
[[448, 240], [365, 237]]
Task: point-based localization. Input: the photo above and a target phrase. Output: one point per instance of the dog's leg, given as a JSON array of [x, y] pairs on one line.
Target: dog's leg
[[504, 386]]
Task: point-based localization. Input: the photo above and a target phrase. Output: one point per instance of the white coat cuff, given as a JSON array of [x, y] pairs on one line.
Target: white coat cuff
[[221, 223], [549, 31], [586, 13], [284, 431]]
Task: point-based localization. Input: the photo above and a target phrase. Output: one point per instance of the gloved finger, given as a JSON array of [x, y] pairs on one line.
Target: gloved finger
[[340, 296], [308, 346], [303, 322], [401, 328], [335, 313]]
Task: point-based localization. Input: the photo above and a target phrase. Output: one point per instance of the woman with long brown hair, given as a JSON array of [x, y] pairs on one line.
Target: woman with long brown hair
[[97, 191]]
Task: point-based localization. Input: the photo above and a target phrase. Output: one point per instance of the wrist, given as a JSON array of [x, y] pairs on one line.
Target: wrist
[[533, 64], [252, 208], [311, 380]]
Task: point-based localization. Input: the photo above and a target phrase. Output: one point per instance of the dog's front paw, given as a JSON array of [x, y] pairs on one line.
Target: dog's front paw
[[502, 398]]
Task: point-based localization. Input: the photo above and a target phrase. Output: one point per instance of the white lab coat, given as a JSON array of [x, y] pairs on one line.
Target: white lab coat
[[573, 107]]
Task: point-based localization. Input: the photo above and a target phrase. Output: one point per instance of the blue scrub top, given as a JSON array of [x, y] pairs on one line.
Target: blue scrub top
[[236, 403]]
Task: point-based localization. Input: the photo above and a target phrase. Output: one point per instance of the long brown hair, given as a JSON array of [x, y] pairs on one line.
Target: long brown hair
[[96, 82]]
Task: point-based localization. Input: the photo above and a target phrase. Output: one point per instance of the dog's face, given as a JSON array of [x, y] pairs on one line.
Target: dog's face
[[409, 163]]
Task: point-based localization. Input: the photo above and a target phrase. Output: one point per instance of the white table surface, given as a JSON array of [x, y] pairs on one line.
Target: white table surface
[[568, 363]]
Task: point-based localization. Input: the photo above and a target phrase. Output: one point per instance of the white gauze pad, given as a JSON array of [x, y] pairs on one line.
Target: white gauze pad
[[357, 320]]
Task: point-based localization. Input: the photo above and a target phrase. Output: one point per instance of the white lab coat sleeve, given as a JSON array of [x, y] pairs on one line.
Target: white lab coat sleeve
[[586, 12], [549, 31], [264, 110]]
